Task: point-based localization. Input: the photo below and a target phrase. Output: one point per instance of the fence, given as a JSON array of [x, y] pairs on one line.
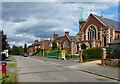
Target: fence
[[54, 55]]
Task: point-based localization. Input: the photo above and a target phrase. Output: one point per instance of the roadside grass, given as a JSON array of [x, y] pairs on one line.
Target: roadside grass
[[0, 78], [10, 77], [11, 65], [12, 59]]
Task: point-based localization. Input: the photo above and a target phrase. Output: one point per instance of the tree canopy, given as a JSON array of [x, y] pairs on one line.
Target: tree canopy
[[5, 44], [25, 48], [54, 46]]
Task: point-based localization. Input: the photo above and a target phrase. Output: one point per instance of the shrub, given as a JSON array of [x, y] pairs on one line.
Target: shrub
[[92, 53], [68, 56], [63, 51], [47, 51], [114, 52]]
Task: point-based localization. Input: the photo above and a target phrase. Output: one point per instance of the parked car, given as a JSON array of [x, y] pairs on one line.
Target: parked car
[[25, 55]]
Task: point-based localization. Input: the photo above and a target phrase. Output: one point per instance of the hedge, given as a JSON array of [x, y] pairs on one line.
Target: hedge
[[93, 53], [68, 56], [114, 53]]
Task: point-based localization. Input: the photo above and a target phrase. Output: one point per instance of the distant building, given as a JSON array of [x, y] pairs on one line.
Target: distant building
[[96, 31], [66, 42], [46, 44]]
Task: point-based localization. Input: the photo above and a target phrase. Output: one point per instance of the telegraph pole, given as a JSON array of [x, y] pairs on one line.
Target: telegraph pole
[[43, 47]]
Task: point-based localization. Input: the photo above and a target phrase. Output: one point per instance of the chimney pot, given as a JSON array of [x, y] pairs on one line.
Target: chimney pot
[[36, 41], [55, 36], [67, 33]]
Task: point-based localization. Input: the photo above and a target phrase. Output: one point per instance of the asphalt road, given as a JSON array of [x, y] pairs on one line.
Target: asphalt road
[[35, 70]]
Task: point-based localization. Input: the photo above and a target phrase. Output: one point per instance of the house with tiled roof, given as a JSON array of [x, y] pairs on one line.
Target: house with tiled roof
[[46, 44], [66, 42], [97, 31]]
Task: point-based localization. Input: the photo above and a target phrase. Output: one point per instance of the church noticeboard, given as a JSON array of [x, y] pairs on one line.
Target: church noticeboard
[[63, 56]]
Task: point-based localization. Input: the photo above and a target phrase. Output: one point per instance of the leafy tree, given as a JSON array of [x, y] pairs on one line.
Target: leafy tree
[[54, 46], [25, 48], [15, 50], [9, 50], [21, 50], [4, 41]]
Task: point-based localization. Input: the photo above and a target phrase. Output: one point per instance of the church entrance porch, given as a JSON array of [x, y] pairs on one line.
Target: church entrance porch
[[83, 46]]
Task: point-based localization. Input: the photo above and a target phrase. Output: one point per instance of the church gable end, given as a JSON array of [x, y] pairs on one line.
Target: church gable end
[[94, 21]]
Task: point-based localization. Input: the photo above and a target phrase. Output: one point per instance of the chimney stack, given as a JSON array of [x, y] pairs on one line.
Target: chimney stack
[[36, 41], [67, 33], [55, 36]]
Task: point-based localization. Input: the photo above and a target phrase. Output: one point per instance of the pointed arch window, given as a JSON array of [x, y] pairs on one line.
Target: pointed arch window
[[91, 33]]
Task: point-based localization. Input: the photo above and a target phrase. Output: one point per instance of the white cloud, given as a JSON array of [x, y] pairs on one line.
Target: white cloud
[[24, 22]]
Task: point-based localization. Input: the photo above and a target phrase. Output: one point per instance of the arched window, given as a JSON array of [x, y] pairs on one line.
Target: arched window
[[65, 45], [91, 33]]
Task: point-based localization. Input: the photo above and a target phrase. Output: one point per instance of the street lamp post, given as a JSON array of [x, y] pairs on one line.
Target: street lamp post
[[43, 47]]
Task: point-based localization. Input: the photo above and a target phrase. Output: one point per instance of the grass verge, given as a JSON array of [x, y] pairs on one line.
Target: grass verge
[[10, 77]]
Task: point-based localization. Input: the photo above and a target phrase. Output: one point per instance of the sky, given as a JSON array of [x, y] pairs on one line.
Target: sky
[[23, 22]]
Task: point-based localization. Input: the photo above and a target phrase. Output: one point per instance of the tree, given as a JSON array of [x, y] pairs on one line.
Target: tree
[[21, 50], [5, 44], [15, 50], [25, 48], [54, 46]]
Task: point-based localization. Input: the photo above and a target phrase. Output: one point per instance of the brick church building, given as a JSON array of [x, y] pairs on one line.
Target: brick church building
[[97, 31]]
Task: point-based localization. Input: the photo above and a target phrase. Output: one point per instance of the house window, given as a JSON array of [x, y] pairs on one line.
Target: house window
[[110, 39], [105, 41], [65, 45], [90, 45], [91, 33]]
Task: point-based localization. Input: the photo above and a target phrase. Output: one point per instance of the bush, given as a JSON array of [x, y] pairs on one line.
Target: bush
[[51, 51], [92, 53], [114, 52], [68, 56], [63, 51]]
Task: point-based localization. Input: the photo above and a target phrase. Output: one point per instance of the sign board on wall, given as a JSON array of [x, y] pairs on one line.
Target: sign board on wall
[[63, 56]]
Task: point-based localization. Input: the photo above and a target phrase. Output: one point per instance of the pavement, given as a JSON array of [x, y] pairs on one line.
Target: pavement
[[93, 67]]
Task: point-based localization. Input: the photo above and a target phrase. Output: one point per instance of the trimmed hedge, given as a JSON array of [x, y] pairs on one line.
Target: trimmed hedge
[[93, 53], [69, 56]]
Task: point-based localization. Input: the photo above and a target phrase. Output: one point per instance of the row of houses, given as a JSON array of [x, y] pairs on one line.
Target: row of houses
[[95, 31]]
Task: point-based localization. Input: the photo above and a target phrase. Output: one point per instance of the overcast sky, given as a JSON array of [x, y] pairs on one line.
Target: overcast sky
[[23, 22]]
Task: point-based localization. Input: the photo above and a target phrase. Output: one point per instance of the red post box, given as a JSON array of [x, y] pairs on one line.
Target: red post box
[[3, 64]]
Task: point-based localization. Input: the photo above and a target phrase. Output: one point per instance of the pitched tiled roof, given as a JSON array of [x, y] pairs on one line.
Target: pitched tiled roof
[[72, 38], [114, 24], [59, 38], [35, 44]]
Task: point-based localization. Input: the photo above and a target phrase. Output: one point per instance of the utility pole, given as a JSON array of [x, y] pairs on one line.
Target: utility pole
[[43, 47]]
